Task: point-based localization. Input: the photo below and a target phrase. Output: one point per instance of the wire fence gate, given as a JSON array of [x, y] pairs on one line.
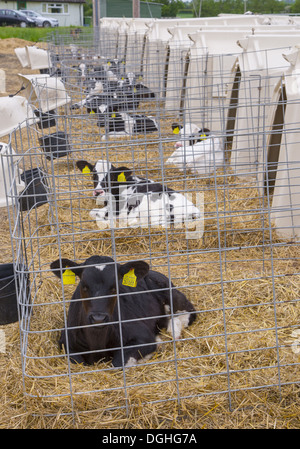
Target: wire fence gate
[[223, 134]]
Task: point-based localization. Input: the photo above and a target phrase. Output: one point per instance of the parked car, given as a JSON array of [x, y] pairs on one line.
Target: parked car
[[10, 17], [40, 20]]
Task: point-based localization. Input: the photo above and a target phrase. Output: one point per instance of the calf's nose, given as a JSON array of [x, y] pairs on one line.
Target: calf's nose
[[98, 318], [98, 192]]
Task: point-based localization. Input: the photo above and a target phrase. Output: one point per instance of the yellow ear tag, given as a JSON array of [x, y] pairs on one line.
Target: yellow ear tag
[[203, 136], [176, 130], [108, 63], [86, 170], [92, 112], [121, 177], [129, 279], [113, 115], [68, 277], [134, 89]]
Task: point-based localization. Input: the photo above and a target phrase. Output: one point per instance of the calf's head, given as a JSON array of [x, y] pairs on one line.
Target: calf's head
[[99, 278], [105, 175], [189, 133]]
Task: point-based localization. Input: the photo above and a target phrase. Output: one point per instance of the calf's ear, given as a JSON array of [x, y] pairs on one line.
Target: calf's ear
[[176, 128], [84, 166], [131, 272], [121, 174], [59, 266]]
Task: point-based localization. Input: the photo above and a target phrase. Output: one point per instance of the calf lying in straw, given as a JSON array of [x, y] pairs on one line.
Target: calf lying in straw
[[144, 300], [135, 201], [197, 150]]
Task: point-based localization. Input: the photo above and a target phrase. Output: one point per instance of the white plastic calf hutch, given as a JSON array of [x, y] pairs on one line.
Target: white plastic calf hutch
[[283, 154], [257, 71]]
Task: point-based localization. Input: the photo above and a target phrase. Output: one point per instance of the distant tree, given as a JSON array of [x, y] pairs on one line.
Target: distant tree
[[295, 8], [266, 7], [170, 7], [88, 8], [211, 8]]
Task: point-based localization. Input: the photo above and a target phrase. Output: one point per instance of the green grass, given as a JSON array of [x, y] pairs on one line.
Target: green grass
[[34, 34]]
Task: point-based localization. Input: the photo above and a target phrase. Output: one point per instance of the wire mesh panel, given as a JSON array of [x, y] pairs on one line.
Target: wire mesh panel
[[207, 227]]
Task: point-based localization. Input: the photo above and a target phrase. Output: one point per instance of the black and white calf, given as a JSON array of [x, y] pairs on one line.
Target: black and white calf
[[123, 92], [93, 96], [102, 97], [189, 134], [94, 69], [135, 201], [111, 298], [132, 85], [121, 124], [197, 150]]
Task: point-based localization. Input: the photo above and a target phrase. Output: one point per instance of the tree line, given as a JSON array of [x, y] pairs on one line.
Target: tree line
[[211, 8]]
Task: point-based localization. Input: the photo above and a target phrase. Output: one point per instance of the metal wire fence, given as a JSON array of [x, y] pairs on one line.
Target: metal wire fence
[[239, 269]]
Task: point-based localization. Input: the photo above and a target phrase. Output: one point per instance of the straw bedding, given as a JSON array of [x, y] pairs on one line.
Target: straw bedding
[[228, 277]]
